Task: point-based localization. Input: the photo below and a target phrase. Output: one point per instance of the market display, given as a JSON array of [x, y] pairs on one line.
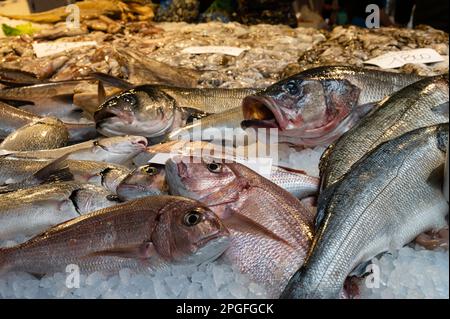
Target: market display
[[177, 150]]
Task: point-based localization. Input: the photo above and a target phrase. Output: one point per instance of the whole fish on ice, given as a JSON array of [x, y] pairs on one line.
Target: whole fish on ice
[[271, 230], [149, 232], [420, 104], [318, 105], [388, 198]]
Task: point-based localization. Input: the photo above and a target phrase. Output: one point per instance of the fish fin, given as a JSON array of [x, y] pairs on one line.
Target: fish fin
[[441, 109], [360, 270], [293, 170], [322, 201], [112, 80], [436, 177], [101, 93], [245, 224], [56, 171], [141, 251]]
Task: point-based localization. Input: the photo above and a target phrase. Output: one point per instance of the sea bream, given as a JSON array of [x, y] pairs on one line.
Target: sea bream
[[33, 210], [420, 104], [318, 105], [271, 231], [147, 233], [388, 198]]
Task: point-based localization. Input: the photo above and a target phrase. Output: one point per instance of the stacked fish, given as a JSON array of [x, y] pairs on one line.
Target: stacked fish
[[75, 188]]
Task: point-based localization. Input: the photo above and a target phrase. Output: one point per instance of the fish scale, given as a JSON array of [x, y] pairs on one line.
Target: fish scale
[[381, 204], [406, 110], [107, 239]]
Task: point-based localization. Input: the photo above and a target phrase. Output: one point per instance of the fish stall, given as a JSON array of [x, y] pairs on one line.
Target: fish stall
[[223, 149]]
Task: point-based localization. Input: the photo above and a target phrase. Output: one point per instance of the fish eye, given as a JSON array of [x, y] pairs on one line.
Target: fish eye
[[214, 167], [113, 198], [130, 99], [149, 170], [192, 217], [291, 87]]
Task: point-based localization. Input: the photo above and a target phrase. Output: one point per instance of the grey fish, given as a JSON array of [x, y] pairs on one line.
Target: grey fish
[[387, 199], [318, 105], [146, 233], [31, 211], [17, 173], [43, 134], [154, 111], [13, 118], [118, 150], [423, 103]]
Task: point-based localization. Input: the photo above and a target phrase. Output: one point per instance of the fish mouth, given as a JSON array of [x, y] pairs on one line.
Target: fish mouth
[[260, 111], [102, 115], [221, 233]]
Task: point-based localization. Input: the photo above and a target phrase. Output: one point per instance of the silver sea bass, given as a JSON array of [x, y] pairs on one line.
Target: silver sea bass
[[384, 202]]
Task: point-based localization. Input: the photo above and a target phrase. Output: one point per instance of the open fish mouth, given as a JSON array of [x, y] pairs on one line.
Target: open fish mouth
[[104, 114], [261, 111]]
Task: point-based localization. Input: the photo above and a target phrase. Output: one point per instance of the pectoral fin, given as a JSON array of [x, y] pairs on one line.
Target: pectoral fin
[[244, 224]]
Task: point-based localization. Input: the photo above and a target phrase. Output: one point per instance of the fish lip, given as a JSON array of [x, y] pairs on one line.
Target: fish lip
[[264, 105], [218, 234], [103, 114]]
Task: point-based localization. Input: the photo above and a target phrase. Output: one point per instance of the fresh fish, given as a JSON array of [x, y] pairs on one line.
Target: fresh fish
[[270, 229], [154, 111], [146, 180], [31, 211], [318, 105], [296, 182], [118, 150], [149, 232], [423, 103], [43, 134], [13, 118], [17, 173], [386, 200]]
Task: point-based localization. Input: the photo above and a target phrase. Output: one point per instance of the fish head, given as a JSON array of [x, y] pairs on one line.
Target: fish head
[[147, 180], [197, 177], [301, 106], [121, 144], [88, 198], [144, 110], [188, 232]]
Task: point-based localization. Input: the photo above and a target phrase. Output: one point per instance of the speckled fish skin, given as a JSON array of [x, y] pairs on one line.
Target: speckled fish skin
[[239, 190], [143, 233], [16, 170], [308, 108], [408, 109], [117, 150], [43, 134], [33, 210], [13, 118], [381, 204]]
